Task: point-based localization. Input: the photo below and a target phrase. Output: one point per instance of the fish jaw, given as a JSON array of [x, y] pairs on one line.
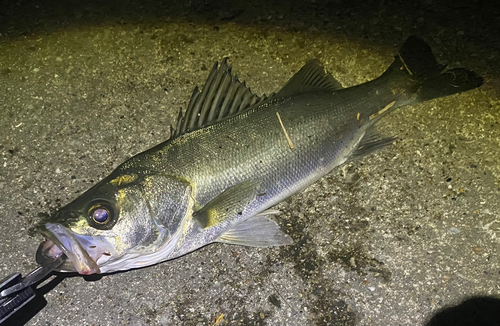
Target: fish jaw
[[83, 252]]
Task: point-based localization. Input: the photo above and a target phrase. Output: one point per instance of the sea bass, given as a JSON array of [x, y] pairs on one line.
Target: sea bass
[[231, 157]]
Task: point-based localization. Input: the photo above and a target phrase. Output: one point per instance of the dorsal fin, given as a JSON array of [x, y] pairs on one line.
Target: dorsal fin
[[310, 77], [222, 96]]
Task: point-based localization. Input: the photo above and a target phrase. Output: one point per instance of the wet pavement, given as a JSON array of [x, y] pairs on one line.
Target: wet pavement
[[387, 240]]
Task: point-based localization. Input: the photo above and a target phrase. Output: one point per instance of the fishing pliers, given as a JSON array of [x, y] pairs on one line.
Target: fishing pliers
[[17, 291]]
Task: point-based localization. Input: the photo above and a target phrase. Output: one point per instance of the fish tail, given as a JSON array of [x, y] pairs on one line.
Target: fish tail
[[417, 75]]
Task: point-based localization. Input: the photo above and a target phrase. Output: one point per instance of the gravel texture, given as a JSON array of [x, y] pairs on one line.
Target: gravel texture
[[387, 240]]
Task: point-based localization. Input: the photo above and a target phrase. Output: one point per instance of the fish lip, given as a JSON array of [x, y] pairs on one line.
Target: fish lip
[[61, 240]]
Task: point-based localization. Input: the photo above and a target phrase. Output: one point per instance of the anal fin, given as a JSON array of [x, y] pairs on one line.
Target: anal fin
[[371, 142], [257, 231]]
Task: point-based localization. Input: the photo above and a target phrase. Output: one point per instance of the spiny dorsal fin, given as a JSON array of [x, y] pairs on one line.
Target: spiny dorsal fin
[[222, 96], [311, 76]]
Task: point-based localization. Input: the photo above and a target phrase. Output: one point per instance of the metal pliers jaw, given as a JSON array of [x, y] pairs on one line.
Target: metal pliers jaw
[[16, 291]]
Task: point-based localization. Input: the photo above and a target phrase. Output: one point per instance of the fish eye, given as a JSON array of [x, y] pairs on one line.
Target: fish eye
[[100, 214]]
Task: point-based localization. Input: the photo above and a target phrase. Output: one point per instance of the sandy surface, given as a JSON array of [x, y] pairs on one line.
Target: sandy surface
[[387, 240]]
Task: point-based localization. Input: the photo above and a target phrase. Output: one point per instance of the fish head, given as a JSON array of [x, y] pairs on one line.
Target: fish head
[[113, 226]]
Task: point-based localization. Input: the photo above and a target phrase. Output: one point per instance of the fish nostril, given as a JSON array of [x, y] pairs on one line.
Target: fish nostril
[[106, 254], [92, 247]]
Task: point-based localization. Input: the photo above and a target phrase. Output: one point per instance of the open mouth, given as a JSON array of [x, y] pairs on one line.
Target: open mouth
[[83, 252]]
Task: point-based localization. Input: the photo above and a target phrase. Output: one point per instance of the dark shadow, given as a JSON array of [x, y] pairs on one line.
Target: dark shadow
[[478, 311], [93, 277]]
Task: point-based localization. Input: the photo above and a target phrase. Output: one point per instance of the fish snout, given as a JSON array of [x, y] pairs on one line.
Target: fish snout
[[60, 240]]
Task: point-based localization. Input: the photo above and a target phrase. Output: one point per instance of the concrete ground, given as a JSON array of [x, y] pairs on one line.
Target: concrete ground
[[387, 240]]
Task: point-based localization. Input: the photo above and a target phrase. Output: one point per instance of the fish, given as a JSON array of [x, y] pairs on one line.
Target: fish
[[231, 157]]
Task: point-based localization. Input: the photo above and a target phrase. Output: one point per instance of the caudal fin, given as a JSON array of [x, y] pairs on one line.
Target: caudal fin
[[428, 79]]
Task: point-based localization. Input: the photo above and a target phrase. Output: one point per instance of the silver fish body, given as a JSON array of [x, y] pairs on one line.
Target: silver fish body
[[232, 156]]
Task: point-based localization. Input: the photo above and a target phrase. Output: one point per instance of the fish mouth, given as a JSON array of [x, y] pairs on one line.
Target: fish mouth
[[83, 252]]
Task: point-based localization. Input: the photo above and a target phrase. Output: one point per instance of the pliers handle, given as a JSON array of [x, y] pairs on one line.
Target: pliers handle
[[12, 303], [16, 291]]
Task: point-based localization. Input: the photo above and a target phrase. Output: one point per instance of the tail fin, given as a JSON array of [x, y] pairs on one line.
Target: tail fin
[[429, 79]]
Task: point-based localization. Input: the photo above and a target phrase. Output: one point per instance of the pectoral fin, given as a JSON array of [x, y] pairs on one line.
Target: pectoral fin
[[257, 231], [229, 204]]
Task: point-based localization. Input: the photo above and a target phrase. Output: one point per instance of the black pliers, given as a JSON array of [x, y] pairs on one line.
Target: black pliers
[[16, 291]]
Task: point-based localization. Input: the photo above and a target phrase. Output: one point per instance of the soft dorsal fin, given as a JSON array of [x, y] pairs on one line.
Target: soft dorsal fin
[[222, 96], [310, 77]]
